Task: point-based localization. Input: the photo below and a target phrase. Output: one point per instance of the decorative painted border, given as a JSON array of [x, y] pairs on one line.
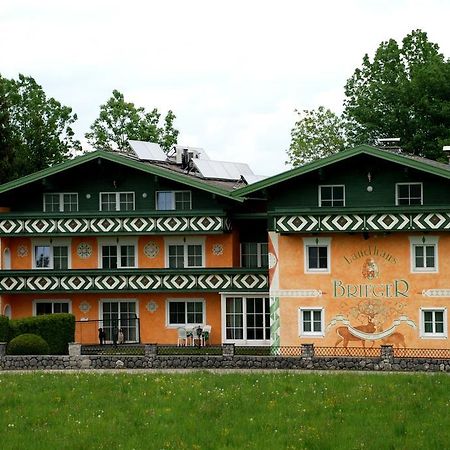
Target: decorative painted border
[[363, 222], [140, 282], [175, 224], [436, 292], [304, 293]]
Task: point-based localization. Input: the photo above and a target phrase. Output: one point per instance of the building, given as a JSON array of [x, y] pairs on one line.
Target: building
[[145, 245], [356, 247], [360, 250]]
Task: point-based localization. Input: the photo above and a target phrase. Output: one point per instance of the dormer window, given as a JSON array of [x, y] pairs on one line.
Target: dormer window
[[173, 200], [61, 202], [332, 195], [409, 194], [117, 201]]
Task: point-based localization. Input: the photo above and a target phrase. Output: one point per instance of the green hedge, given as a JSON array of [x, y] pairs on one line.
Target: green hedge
[[56, 329], [4, 329], [27, 344]]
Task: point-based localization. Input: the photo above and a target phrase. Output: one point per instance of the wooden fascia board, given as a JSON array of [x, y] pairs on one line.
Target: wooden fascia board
[[341, 156], [120, 160]]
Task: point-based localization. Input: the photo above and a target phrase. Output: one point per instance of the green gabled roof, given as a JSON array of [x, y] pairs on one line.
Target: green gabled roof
[[120, 159], [414, 162]]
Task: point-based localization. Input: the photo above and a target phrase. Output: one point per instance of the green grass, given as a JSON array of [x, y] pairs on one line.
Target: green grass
[[200, 410]]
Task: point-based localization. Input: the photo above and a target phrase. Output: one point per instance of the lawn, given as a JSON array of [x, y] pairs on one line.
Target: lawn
[[200, 410]]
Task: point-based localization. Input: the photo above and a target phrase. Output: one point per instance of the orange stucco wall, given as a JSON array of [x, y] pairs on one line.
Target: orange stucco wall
[[153, 325], [84, 263], [221, 250], [20, 260], [390, 290]]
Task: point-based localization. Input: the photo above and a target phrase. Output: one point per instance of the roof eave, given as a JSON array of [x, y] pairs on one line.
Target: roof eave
[[148, 168], [337, 157]]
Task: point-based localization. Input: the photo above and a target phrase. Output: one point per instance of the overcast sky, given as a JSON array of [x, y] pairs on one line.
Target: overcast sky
[[232, 71]]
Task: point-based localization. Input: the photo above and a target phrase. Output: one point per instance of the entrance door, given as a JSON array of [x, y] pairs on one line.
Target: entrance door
[[120, 314], [247, 320]]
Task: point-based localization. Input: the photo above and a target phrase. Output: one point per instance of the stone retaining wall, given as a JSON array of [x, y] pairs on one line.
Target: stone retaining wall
[[221, 362], [228, 360]]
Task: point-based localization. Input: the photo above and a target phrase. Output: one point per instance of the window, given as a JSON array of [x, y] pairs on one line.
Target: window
[[41, 307], [120, 314], [117, 255], [7, 311], [317, 254], [184, 252], [433, 323], [311, 322], [246, 319], [185, 312], [173, 200], [117, 201], [61, 202], [51, 254], [332, 195], [254, 254], [424, 254], [408, 194]]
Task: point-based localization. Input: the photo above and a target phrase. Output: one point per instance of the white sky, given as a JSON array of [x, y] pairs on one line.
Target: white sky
[[232, 71]]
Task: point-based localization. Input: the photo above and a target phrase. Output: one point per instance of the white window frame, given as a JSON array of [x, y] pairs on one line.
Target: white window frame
[[61, 201], [173, 192], [316, 242], [52, 301], [244, 296], [185, 300], [301, 330], [408, 184], [330, 186], [185, 241], [120, 300], [425, 335], [117, 242], [51, 242], [117, 194], [259, 252], [416, 241]]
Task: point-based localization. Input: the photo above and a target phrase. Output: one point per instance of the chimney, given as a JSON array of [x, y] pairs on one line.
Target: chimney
[[446, 149], [185, 159], [392, 144]]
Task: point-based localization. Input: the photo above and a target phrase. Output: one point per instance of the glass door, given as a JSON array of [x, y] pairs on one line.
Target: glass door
[[118, 315]]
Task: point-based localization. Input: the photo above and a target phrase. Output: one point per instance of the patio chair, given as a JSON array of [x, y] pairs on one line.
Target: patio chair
[[190, 335], [206, 333], [196, 336], [182, 336]]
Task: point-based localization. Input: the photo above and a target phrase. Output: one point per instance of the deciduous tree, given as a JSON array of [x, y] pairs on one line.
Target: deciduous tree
[[120, 121], [403, 92], [7, 169], [37, 130], [316, 134]]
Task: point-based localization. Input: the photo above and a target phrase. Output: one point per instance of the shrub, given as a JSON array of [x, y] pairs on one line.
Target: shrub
[[4, 329], [56, 329], [28, 344]]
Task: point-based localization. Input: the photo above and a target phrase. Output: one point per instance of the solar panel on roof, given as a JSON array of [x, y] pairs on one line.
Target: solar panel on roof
[[148, 151], [224, 170], [250, 179]]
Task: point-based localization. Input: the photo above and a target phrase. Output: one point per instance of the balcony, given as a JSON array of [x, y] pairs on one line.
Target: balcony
[[383, 219], [134, 280], [131, 222]]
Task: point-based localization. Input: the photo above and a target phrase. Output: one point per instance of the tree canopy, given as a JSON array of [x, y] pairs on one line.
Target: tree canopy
[[403, 92], [316, 134], [35, 131], [120, 121]]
